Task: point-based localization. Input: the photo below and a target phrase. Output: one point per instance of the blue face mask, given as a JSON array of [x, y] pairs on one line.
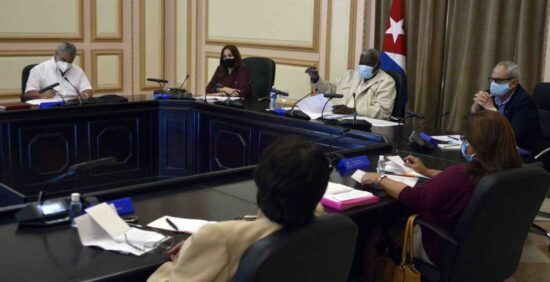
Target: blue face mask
[[499, 90], [365, 71], [464, 153]]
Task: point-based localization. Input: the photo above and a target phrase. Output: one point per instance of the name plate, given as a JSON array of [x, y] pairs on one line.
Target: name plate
[[350, 165]]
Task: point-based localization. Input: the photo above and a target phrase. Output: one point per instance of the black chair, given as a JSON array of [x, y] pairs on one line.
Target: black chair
[[24, 77], [399, 105], [321, 251], [541, 94], [486, 244], [262, 75]]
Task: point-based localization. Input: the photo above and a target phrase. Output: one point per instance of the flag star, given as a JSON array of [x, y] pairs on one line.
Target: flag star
[[396, 28]]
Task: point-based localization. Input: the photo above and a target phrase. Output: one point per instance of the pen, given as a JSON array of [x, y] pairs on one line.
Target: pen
[[171, 223], [455, 138]]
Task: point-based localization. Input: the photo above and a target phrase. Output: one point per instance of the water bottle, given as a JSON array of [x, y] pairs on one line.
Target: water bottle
[[381, 166], [75, 208], [272, 100]]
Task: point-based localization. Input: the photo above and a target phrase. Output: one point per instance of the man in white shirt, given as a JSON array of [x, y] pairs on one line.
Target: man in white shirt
[[59, 69]]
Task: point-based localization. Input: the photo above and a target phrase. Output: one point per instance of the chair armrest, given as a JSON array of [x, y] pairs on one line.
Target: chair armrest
[[437, 230]]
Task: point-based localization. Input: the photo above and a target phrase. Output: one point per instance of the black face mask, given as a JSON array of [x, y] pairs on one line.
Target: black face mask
[[229, 63]]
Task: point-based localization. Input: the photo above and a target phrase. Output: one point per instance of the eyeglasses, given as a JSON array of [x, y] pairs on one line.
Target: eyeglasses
[[163, 244], [500, 80]]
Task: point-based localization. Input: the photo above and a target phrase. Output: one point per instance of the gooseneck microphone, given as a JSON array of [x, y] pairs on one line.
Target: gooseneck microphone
[[300, 114], [76, 89], [275, 93], [183, 82], [422, 140], [354, 123], [157, 80], [93, 163], [329, 97], [49, 87]]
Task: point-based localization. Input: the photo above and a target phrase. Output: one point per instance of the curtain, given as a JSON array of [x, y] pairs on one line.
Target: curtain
[[452, 46]]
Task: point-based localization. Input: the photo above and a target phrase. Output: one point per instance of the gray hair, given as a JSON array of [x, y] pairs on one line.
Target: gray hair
[[67, 47], [369, 55], [512, 69]]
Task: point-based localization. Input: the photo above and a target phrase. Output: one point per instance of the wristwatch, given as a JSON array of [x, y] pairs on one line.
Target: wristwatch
[[382, 176]]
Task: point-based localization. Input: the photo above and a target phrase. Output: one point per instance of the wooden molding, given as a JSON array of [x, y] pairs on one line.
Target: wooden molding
[[328, 40], [351, 34], [104, 38], [314, 48], [49, 37], [114, 88], [142, 78]]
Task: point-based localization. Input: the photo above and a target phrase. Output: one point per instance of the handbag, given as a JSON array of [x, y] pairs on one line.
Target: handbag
[[405, 271]]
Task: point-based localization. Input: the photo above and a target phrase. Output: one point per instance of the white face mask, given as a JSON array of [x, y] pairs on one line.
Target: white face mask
[[63, 66]]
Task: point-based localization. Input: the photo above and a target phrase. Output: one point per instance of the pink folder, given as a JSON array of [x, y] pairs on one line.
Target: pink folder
[[343, 205]]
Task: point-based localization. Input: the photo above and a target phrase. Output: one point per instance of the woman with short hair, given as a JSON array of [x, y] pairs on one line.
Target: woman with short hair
[[291, 178]]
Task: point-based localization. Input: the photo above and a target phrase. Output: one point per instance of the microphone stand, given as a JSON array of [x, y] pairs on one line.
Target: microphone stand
[[354, 123], [76, 89], [323, 110], [300, 114]]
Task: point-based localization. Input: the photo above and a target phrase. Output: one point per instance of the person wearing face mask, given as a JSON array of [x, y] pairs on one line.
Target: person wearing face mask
[[374, 89], [506, 96], [59, 69], [231, 77], [489, 146]]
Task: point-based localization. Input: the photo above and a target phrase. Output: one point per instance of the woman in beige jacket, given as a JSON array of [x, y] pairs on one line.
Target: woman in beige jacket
[[291, 179], [374, 89]]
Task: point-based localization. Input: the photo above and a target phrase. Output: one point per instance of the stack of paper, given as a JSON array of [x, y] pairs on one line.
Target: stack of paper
[[397, 166], [341, 197], [183, 225], [37, 102], [102, 227], [450, 142], [410, 181], [313, 106]]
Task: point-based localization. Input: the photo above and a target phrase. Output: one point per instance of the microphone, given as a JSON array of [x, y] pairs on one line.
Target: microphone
[[92, 164], [300, 114], [157, 80], [49, 87], [330, 95], [414, 114], [275, 93], [421, 139], [76, 89], [184, 81], [356, 124], [334, 157]]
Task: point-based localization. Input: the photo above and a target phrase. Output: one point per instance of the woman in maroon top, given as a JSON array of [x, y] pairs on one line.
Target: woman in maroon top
[[231, 76], [489, 146]]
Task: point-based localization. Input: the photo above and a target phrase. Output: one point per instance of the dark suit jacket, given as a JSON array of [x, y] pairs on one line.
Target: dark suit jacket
[[521, 111]]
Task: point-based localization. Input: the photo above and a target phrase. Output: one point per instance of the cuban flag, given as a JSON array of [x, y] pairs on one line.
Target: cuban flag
[[392, 57]]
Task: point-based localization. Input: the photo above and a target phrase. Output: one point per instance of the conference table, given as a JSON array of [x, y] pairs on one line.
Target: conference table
[[182, 158]]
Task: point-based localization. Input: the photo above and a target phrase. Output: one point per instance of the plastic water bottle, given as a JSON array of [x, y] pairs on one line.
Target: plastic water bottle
[[381, 166], [272, 100], [75, 208]]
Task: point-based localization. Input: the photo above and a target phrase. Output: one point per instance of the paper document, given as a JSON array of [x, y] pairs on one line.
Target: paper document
[[185, 225], [217, 98], [37, 102], [102, 227], [410, 181], [342, 193], [374, 122], [397, 166], [313, 106], [450, 142], [358, 175]]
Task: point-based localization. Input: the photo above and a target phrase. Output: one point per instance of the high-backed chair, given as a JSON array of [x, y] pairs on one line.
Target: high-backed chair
[[320, 251], [400, 104], [24, 77], [486, 244], [262, 75]]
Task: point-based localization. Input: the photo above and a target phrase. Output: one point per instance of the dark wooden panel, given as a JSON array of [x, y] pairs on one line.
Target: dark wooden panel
[[230, 144], [42, 151], [176, 146], [128, 139]]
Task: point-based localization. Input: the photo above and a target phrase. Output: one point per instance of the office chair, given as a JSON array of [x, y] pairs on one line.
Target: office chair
[[320, 251], [486, 244], [262, 75], [24, 77], [400, 103]]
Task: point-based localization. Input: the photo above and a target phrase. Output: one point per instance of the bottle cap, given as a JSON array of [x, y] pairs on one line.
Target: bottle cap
[[75, 197]]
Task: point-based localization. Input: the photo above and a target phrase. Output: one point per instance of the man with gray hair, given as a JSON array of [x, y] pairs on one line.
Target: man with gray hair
[[506, 96], [373, 88], [59, 69]]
